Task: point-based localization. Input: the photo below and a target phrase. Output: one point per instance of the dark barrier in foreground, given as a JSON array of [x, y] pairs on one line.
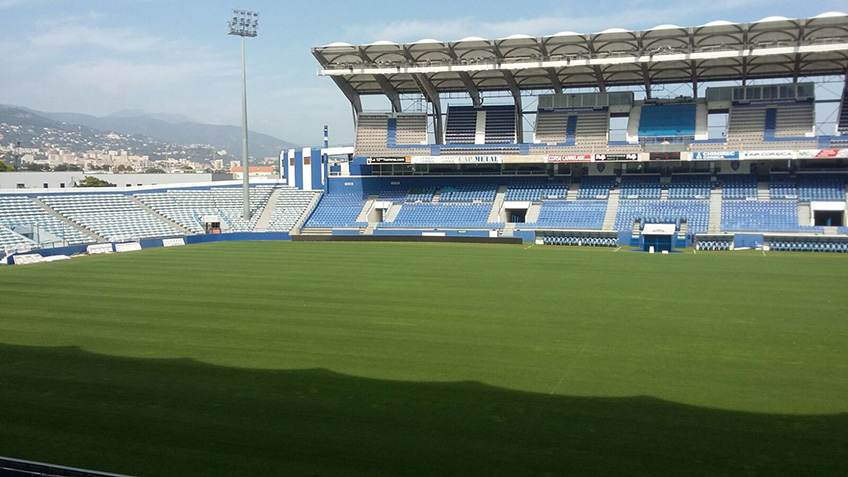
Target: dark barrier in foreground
[[404, 238], [25, 468]]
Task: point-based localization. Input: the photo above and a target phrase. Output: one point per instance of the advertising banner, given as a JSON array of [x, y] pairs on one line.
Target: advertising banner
[[715, 156]]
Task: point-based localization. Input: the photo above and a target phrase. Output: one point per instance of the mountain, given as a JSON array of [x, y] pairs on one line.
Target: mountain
[[31, 125], [175, 129]]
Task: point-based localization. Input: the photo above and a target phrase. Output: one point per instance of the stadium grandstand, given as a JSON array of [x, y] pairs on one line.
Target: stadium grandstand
[[736, 150], [711, 131]]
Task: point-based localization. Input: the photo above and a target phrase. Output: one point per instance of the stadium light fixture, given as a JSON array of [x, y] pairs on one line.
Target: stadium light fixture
[[244, 23]]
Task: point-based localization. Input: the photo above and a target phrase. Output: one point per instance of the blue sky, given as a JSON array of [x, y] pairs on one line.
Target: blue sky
[[99, 57]]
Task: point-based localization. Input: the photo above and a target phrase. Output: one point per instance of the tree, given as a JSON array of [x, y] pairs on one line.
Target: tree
[[154, 170], [6, 167], [91, 181], [67, 167]]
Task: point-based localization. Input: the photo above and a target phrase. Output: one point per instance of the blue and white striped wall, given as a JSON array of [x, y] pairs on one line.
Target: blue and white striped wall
[[304, 168]]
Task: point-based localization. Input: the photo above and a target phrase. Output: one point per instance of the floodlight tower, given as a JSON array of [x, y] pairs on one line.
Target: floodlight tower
[[244, 24]]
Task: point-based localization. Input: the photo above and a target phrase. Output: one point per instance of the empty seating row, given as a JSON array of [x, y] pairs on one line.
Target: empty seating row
[[595, 187], [11, 242], [689, 187], [764, 216], [424, 215], [111, 216], [289, 209], [535, 190], [337, 210], [641, 187], [580, 214], [469, 192], [695, 213], [17, 211], [500, 124], [741, 186], [667, 120], [187, 207], [461, 125]]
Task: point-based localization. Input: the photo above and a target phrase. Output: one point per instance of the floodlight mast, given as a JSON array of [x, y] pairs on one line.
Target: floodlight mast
[[244, 24]]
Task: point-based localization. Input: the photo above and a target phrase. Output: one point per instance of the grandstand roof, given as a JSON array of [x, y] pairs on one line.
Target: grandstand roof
[[773, 47]]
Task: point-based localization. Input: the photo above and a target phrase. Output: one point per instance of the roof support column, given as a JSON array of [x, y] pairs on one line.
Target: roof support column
[[473, 92], [429, 91], [349, 92], [390, 92], [519, 111]]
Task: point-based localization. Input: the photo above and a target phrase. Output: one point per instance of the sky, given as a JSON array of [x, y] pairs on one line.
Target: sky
[[162, 56]]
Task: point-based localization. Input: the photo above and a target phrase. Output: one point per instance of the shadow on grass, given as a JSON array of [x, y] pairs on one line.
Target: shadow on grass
[[180, 417]]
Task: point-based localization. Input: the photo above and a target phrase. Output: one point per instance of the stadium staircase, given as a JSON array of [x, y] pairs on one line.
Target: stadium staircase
[[508, 230], [612, 209], [497, 205], [298, 226], [88, 233], [437, 197], [804, 214], [532, 215], [159, 216], [715, 211], [842, 127], [573, 189], [392, 213], [267, 214], [763, 191], [664, 194], [366, 208]]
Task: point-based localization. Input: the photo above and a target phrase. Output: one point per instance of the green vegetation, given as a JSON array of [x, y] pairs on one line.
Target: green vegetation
[[5, 167], [92, 181], [427, 359]]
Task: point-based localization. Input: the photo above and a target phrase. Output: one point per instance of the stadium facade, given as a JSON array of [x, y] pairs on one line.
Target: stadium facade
[[668, 137]]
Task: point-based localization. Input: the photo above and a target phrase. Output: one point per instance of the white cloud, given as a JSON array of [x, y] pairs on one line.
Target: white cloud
[[114, 39], [458, 27]]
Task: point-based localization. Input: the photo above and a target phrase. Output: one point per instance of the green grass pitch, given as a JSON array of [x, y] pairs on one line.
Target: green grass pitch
[[427, 359]]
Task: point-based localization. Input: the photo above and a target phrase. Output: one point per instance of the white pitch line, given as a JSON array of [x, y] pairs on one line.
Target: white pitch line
[[568, 369]]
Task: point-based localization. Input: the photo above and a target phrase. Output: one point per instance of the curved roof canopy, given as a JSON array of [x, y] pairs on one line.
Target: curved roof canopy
[[773, 47]]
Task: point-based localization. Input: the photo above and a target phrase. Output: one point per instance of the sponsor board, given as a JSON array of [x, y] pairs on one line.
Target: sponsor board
[[665, 156], [388, 160], [127, 247], [831, 153], [173, 242], [475, 159], [630, 156], [715, 155], [528, 159], [777, 154], [99, 248], [27, 259], [560, 158]]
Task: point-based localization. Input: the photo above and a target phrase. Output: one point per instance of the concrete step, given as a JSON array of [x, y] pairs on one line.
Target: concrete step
[[715, 211], [763, 191], [159, 216], [366, 208], [532, 215], [392, 213], [267, 213], [296, 228], [497, 205], [88, 233], [573, 189], [612, 209]]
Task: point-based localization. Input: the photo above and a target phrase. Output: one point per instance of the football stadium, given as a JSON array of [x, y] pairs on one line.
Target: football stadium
[[611, 253]]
